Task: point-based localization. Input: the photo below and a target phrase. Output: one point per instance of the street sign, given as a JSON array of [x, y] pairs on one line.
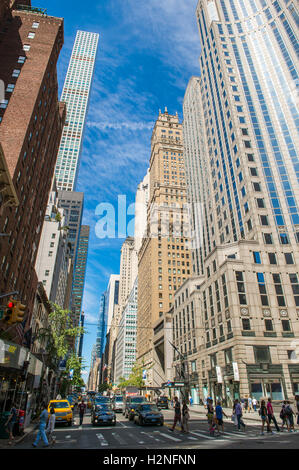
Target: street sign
[[236, 371], [179, 384], [219, 374]]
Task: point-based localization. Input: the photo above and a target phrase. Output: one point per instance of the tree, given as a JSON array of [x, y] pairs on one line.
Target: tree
[[103, 387], [57, 336], [74, 363], [135, 379]]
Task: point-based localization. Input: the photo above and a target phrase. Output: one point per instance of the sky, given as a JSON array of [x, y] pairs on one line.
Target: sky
[[148, 50]]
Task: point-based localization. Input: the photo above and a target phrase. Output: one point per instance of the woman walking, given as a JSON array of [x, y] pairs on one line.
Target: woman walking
[[12, 419], [264, 417], [289, 415], [51, 426], [185, 418], [210, 416], [283, 416], [237, 410]]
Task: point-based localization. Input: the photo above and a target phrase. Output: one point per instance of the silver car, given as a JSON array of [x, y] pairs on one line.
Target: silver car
[[118, 404]]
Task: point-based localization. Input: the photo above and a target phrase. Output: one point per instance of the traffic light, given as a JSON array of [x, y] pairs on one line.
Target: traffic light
[[18, 312], [14, 312], [8, 315]]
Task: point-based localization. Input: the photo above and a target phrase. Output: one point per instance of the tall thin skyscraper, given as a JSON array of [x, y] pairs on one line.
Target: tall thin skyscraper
[[75, 94], [248, 128]]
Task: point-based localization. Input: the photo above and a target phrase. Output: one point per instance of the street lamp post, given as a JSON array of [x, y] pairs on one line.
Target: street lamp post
[[183, 376]]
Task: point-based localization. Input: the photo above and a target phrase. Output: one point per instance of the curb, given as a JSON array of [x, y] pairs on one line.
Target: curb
[[29, 431]]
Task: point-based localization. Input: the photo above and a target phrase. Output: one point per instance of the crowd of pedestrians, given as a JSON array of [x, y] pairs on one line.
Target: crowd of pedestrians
[[215, 416]]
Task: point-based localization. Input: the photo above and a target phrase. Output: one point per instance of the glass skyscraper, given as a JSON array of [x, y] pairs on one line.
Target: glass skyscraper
[[76, 94], [241, 124], [80, 269]]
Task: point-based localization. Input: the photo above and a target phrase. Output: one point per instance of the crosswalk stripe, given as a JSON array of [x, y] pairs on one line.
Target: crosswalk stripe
[[202, 435], [169, 437], [119, 439], [102, 440]]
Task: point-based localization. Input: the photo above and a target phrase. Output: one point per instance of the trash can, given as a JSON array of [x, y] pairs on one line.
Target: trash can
[[3, 418], [19, 426]]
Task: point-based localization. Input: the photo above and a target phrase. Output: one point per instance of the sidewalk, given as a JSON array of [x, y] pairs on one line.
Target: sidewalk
[[252, 416], [29, 430]]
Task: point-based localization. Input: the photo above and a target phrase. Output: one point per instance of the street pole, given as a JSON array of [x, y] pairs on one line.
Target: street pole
[[186, 387]]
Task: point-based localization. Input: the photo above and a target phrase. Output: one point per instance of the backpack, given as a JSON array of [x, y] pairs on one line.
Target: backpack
[[288, 411]]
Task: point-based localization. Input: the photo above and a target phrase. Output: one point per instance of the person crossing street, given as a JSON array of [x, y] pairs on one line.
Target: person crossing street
[[271, 416], [42, 427], [82, 408], [237, 409], [177, 414], [51, 425]]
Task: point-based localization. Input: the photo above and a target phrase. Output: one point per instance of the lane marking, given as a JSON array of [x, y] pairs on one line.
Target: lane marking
[[119, 439], [169, 437], [202, 435], [102, 440]]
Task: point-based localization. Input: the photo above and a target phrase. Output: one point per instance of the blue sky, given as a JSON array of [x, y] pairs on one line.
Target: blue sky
[[148, 50]]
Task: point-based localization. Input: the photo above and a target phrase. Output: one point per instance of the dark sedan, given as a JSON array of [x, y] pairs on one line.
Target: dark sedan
[[148, 413], [103, 414], [162, 402]]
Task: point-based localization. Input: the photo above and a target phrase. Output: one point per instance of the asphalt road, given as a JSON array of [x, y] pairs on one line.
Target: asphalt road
[[128, 435]]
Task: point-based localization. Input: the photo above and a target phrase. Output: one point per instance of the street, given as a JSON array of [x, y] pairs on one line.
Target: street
[[128, 435]]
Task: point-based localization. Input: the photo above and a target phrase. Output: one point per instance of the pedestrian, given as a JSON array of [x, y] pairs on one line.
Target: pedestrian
[[82, 408], [238, 412], [264, 417], [42, 427], [271, 416], [177, 414], [191, 401], [254, 403], [283, 416], [289, 415], [185, 417], [210, 416], [11, 421], [51, 425], [249, 404], [246, 404], [219, 417]]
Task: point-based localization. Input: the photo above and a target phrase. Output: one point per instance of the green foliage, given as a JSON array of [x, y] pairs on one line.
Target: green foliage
[[135, 379], [57, 334], [103, 387], [58, 217]]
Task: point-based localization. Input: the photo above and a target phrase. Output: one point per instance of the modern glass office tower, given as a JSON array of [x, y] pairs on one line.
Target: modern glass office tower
[[80, 269], [76, 94], [102, 326], [249, 123]]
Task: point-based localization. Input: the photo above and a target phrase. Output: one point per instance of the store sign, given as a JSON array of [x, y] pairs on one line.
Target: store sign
[[236, 371], [178, 384], [219, 374]]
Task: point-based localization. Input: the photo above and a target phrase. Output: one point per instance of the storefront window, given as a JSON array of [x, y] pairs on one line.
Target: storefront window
[[276, 391], [257, 390]]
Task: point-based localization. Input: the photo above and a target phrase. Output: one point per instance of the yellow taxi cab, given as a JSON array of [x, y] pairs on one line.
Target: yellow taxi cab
[[63, 411]]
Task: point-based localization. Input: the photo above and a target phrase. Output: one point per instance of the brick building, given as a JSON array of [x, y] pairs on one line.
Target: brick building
[[31, 122]]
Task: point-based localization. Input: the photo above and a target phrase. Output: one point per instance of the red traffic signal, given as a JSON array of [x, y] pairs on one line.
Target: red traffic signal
[[8, 318]]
